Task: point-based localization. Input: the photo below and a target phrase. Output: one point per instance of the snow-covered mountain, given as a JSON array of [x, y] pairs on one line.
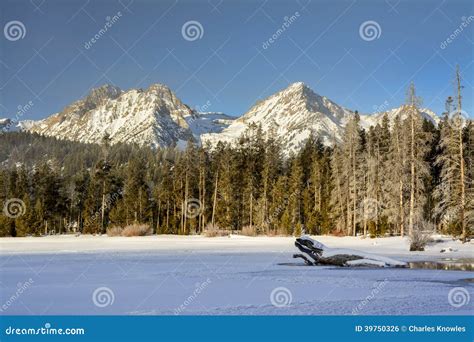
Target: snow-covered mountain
[[5, 124], [11, 125], [208, 122], [153, 117], [293, 114], [156, 117], [374, 119]]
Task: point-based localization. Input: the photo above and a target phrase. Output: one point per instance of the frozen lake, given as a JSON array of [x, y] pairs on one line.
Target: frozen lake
[[221, 276]]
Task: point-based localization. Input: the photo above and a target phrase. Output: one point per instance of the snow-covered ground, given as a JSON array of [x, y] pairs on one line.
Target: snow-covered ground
[[229, 275]]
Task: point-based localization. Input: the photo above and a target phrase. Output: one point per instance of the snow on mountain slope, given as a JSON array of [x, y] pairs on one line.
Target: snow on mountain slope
[[153, 117], [296, 112], [156, 117], [209, 122], [5, 124], [374, 119], [25, 125], [11, 125], [293, 113]]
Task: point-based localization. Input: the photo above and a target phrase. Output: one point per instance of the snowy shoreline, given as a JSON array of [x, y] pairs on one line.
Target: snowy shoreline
[[390, 246]]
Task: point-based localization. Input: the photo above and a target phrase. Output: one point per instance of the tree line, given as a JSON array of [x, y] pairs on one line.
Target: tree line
[[399, 177]]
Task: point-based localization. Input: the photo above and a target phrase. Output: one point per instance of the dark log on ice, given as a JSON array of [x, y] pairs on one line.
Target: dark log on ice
[[307, 246], [315, 253], [306, 260]]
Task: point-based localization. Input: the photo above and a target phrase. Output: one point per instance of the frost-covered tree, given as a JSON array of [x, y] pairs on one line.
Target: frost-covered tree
[[451, 192], [339, 197], [398, 176], [418, 146]]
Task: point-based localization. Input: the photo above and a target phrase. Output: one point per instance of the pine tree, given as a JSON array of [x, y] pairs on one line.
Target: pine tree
[[419, 169], [203, 186], [279, 218], [351, 159], [136, 192], [340, 197], [398, 175], [451, 191], [469, 134], [251, 151], [79, 196], [295, 188], [272, 167], [226, 213]]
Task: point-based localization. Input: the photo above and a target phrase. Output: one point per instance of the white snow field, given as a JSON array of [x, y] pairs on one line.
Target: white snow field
[[193, 275]]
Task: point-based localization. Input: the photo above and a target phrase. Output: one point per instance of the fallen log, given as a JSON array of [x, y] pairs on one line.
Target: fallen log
[[306, 260], [315, 253]]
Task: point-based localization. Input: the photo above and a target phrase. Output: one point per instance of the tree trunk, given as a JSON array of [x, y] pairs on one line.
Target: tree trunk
[[402, 212], [461, 161], [103, 208], [354, 190], [214, 205], [251, 210], [412, 171], [167, 216], [186, 194], [158, 222]]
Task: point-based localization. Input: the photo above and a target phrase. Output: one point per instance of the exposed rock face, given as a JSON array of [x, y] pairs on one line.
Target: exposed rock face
[[156, 117], [153, 117]]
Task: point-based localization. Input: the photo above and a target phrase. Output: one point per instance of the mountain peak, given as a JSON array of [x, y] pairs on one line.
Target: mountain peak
[[152, 117], [104, 91], [301, 91], [299, 87], [93, 99], [295, 112], [158, 87]]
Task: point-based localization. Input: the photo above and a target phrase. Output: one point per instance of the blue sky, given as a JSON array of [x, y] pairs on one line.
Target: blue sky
[[228, 69]]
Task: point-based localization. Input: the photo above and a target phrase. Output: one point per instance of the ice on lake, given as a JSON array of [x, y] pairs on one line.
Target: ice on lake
[[221, 276]]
